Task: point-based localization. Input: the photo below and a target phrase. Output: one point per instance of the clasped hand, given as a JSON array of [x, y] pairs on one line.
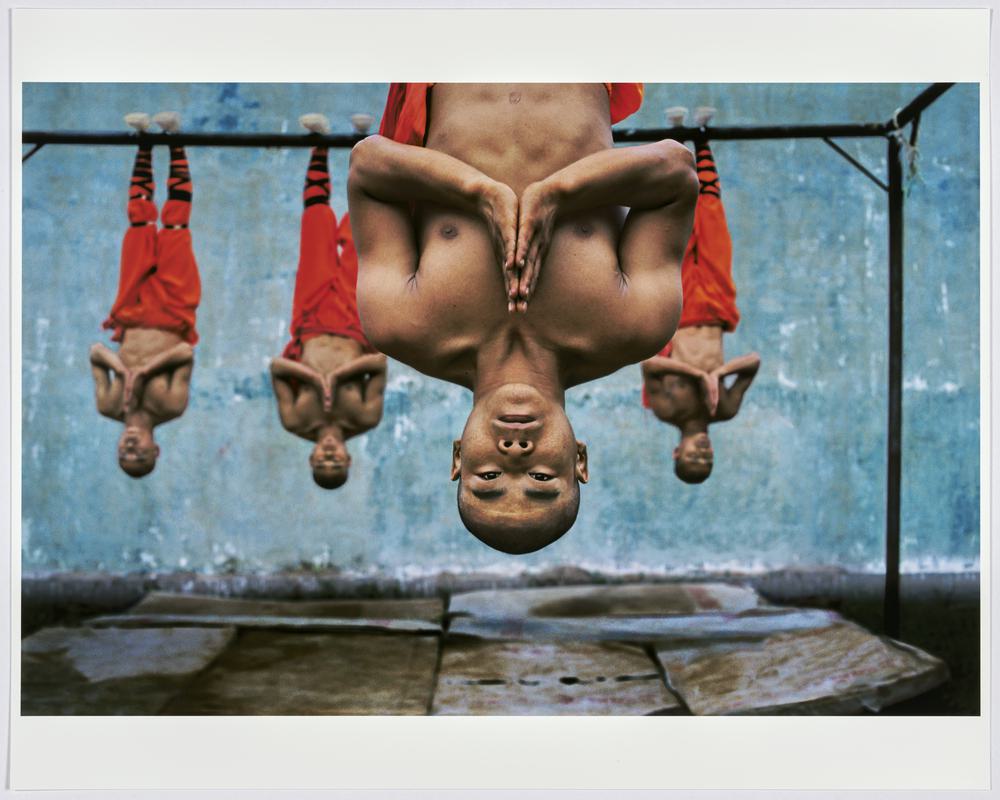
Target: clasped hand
[[521, 230]]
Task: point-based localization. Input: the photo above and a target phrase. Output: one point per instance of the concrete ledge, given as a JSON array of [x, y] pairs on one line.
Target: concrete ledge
[[76, 594]]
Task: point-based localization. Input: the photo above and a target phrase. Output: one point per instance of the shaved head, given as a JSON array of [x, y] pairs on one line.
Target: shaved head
[[518, 525]]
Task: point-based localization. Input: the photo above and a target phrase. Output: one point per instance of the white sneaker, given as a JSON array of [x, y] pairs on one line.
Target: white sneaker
[[315, 123], [676, 115], [362, 122], [170, 121], [138, 120], [703, 115]]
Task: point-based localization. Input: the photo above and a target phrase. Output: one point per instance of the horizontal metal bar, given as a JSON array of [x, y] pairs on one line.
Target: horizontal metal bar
[[210, 139], [918, 104], [205, 139], [748, 132], [856, 163]]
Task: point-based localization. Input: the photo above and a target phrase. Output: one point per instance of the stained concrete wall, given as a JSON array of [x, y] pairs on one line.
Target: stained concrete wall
[[800, 474]]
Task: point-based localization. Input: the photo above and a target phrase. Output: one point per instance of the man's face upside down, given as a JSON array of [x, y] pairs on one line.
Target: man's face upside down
[[519, 469]]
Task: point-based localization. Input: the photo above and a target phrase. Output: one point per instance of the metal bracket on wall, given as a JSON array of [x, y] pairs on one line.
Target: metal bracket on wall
[[31, 152], [875, 179]]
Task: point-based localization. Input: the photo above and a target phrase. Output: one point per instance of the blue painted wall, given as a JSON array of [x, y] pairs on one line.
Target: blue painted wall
[[800, 474]]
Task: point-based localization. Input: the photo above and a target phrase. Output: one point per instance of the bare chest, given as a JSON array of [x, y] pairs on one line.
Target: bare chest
[[325, 353], [578, 309]]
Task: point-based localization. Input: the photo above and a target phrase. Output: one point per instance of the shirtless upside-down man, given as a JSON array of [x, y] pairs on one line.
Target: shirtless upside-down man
[[146, 383], [329, 382], [685, 384], [498, 257]]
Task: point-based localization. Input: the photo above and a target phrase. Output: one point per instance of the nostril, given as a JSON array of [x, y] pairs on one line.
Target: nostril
[[523, 444], [508, 444]]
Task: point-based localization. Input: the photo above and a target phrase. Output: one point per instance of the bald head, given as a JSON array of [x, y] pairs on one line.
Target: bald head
[[138, 467], [329, 477], [137, 451], [694, 457], [518, 524]]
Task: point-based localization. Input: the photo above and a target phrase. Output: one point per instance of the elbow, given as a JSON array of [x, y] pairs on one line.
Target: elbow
[[366, 155], [675, 165]]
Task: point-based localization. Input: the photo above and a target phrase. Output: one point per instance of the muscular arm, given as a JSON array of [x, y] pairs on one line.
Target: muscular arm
[[108, 390], [171, 394], [173, 402], [657, 182], [371, 370], [374, 397], [730, 399], [385, 179], [658, 366], [283, 371], [178, 355], [368, 364], [285, 396]]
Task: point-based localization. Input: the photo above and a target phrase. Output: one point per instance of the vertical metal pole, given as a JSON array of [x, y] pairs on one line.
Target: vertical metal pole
[[895, 422]]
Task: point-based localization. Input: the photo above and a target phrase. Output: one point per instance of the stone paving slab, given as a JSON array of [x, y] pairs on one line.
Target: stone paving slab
[[608, 601], [706, 627], [172, 610], [279, 672], [67, 671], [841, 669], [521, 678]]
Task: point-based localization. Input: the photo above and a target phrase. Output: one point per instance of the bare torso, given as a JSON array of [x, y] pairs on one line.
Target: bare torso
[[162, 396], [324, 354], [503, 245], [356, 402], [519, 134], [699, 346]]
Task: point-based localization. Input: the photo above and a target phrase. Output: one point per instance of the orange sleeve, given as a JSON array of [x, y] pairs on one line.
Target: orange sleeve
[[404, 119], [626, 98]]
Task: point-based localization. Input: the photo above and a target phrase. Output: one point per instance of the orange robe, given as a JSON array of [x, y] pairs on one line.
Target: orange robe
[[158, 284], [405, 117], [325, 300]]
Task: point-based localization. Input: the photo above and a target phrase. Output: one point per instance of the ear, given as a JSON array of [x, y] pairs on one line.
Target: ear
[[456, 459], [582, 472], [677, 452], [157, 449]]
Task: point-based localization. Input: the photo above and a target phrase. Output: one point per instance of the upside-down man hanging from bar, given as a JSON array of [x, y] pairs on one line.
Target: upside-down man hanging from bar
[[685, 384], [329, 382], [146, 382], [495, 254]]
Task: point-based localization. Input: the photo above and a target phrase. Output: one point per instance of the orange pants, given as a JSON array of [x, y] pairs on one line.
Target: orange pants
[[405, 117], [707, 269], [325, 300], [158, 283]]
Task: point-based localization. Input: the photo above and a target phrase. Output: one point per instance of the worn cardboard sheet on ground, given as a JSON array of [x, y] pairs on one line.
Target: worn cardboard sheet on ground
[[172, 610], [840, 669], [112, 672], [704, 627], [278, 672], [608, 601], [521, 678]]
